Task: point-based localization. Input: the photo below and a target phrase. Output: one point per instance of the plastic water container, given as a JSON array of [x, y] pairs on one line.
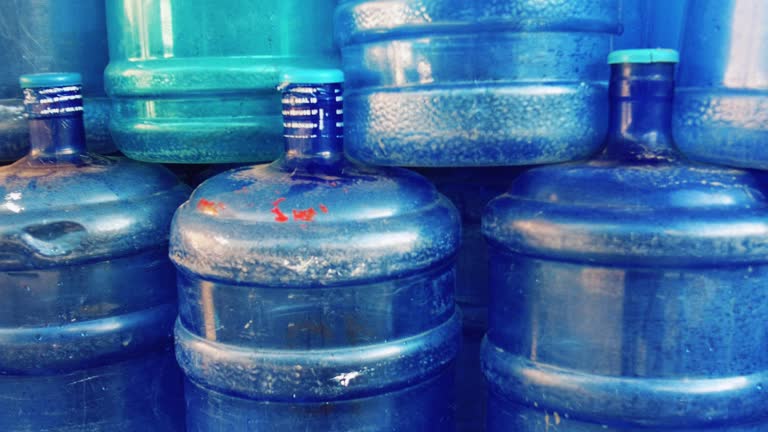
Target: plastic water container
[[88, 290], [628, 293], [317, 294], [50, 36], [193, 81], [721, 109], [471, 83], [651, 24], [470, 190]]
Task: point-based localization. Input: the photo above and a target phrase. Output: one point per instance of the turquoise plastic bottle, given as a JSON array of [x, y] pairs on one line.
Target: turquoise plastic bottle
[[317, 294], [88, 298], [193, 81], [445, 83], [50, 36], [630, 292], [470, 190], [721, 108]]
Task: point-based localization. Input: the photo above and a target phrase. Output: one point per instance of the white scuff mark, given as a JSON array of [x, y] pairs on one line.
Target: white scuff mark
[[80, 381], [14, 207], [345, 378]]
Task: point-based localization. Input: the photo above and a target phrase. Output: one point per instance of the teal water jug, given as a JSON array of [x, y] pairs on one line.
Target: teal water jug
[[193, 81]]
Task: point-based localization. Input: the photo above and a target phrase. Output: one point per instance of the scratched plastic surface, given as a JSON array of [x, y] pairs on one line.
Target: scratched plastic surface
[[470, 189], [650, 24], [193, 81], [317, 294], [629, 293], [721, 110], [88, 291], [475, 82], [51, 36]]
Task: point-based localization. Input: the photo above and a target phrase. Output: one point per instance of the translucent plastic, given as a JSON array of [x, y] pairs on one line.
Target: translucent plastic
[[629, 293], [88, 291], [470, 189], [651, 24], [721, 110], [193, 81], [475, 82], [52, 36], [317, 294]]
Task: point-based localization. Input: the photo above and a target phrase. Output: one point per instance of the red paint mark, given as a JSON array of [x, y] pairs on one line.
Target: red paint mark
[[279, 215], [304, 215], [210, 207], [323, 208]]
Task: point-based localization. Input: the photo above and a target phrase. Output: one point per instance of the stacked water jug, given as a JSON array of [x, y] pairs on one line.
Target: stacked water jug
[[574, 245]]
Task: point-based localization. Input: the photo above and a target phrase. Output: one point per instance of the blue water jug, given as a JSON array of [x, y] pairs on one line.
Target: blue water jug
[[50, 36], [651, 23], [470, 190], [471, 83], [193, 81], [721, 108], [317, 294], [88, 291], [629, 293]]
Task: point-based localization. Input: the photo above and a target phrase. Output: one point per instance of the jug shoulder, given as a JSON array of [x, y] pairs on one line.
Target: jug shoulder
[[99, 208], [271, 224]]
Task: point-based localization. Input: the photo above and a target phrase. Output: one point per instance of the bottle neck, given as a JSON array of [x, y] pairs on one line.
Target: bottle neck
[[641, 112], [313, 123], [56, 129]]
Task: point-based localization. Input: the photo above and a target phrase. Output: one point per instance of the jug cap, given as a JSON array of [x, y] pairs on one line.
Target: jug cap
[[312, 76], [651, 55], [51, 79]]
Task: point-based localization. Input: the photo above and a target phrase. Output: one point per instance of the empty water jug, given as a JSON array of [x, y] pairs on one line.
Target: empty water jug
[[317, 294], [470, 189], [629, 293], [471, 83], [650, 23], [721, 108], [50, 36], [88, 290], [193, 81]]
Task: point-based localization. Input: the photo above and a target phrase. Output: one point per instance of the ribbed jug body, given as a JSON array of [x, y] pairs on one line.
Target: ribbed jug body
[[470, 190], [89, 301], [651, 24], [317, 294], [474, 82], [721, 108], [193, 81], [628, 293], [52, 36]]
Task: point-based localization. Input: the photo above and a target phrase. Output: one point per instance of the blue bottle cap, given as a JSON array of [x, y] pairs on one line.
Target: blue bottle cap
[[51, 79], [652, 55], [311, 76]]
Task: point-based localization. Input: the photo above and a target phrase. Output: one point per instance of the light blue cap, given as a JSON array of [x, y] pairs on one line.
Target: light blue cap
[[650, 55], [311, 76], [51, 79]]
